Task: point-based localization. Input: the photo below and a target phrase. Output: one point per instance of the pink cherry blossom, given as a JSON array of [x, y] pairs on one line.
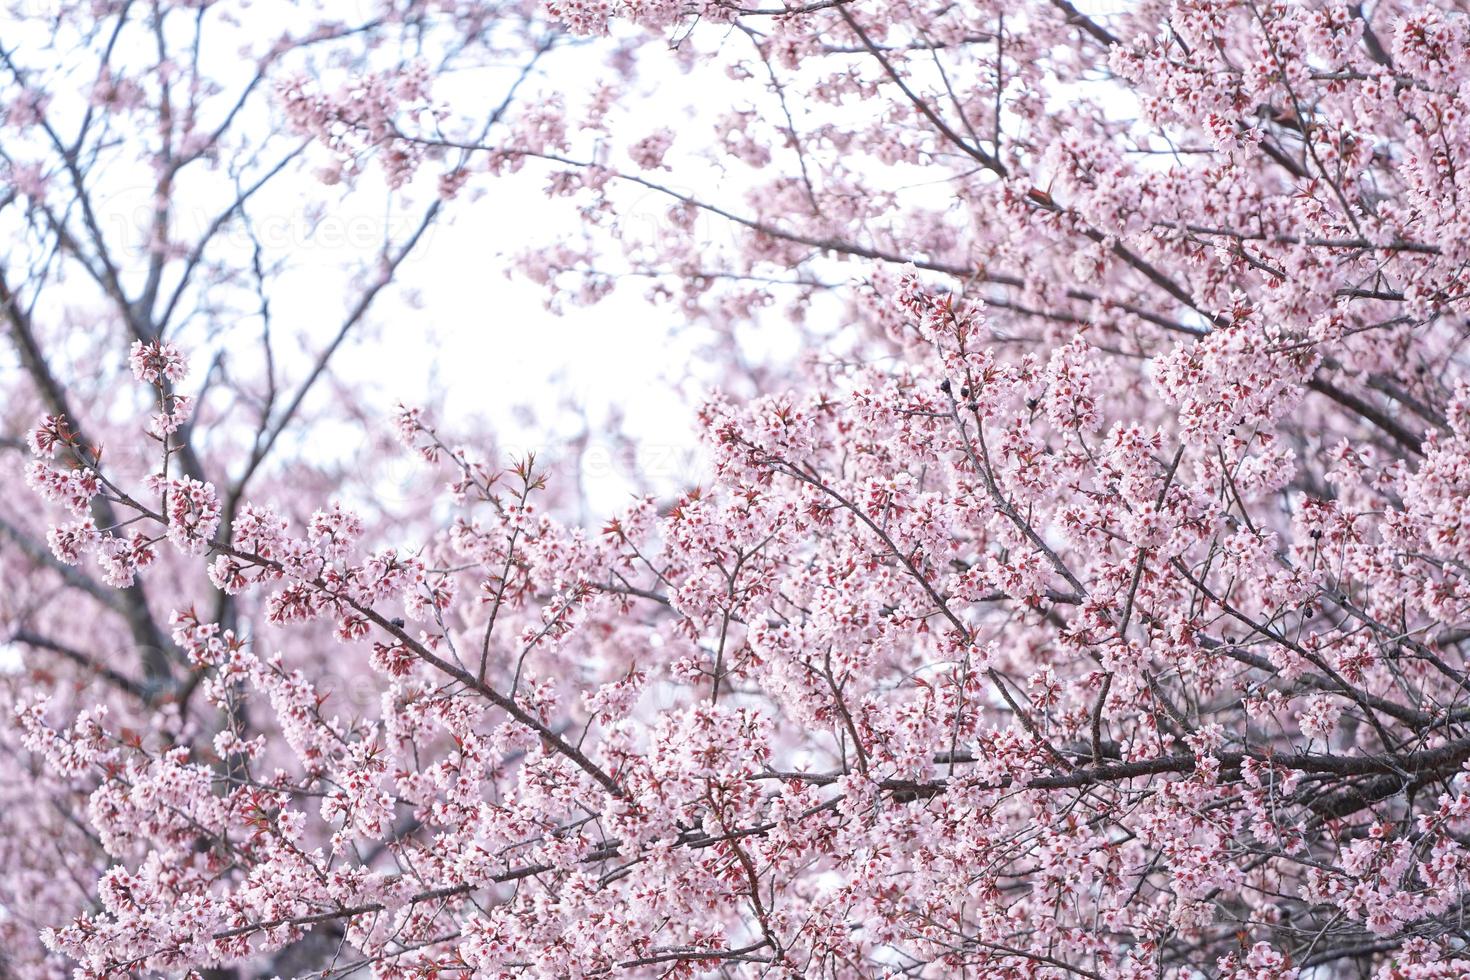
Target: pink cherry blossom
[[1074, 582]]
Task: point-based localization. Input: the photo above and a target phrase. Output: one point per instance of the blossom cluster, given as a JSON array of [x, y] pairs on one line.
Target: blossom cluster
[[1090, 598]]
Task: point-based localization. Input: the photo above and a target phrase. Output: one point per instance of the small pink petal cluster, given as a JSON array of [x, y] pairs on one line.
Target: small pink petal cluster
[[362, 118], [157, 362]]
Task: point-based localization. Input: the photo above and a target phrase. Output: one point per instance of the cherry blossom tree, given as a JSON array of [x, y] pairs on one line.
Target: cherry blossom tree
[[1091, 597]]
